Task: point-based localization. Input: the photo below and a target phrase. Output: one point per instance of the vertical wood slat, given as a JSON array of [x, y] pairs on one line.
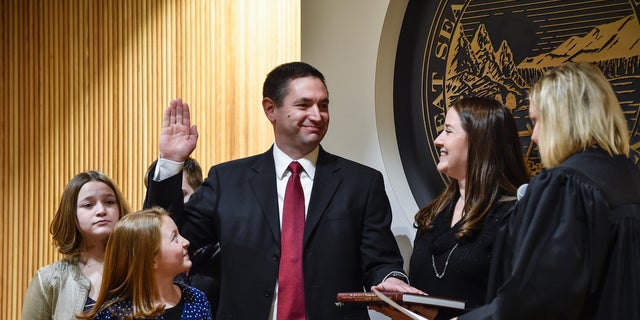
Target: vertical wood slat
[[85, 85]]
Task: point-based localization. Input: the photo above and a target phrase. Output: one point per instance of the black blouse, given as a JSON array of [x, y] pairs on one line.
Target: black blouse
[[443, 266]]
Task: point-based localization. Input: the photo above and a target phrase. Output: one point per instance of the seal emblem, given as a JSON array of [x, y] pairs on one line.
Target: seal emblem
[[452, 49]]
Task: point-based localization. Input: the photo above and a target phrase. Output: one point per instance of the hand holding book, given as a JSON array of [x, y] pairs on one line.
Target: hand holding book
[[398, 312], [400, 305]]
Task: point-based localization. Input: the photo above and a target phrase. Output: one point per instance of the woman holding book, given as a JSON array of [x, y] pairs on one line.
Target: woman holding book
[[481, 155]]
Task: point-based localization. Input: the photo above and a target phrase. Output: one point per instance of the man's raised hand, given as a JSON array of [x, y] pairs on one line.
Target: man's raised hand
[[177, 137]]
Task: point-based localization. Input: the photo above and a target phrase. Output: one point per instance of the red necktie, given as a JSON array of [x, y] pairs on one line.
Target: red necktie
[[290, 276]]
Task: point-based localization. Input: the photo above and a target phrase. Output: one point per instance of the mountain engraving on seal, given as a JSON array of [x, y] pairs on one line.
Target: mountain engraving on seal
[[475, 67], [449, 49]]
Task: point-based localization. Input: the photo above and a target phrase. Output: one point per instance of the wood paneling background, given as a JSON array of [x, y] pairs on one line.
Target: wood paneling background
[[84, 84]]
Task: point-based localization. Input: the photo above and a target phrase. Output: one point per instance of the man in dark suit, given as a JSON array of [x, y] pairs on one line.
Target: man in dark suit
[[347, 243]]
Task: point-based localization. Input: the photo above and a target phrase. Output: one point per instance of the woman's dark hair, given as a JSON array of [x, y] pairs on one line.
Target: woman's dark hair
[[495, 165]]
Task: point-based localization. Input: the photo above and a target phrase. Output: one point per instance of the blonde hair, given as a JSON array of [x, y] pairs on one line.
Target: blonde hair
[[128, 265], [577, 109]]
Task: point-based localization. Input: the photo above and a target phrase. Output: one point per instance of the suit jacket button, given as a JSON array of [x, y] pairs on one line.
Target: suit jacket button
[[276, 258], [268, 293]]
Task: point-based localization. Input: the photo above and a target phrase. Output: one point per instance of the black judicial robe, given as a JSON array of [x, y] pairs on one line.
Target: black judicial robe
[[571, 249]]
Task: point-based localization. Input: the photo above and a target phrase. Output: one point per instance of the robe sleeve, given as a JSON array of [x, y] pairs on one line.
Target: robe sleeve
[[554, 236]]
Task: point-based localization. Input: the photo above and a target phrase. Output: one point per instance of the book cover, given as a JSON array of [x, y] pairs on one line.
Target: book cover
[[372, 298]]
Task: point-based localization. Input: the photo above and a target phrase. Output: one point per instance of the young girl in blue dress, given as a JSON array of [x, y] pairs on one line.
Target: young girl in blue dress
[[144, 254]]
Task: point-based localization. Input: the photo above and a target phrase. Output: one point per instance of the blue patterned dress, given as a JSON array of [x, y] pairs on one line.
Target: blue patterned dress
[[196, 307]]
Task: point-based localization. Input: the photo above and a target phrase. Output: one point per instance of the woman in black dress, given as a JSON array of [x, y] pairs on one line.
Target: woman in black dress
[[480, 153], [572, 246]]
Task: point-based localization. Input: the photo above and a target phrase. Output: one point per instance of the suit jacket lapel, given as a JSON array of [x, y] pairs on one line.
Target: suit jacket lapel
[[326, 182], [264, 189]]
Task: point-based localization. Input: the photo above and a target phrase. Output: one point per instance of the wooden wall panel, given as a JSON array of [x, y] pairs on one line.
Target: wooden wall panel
[[84, 84]]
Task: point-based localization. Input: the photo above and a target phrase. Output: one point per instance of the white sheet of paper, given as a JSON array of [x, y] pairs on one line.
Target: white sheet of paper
[[402, 309]]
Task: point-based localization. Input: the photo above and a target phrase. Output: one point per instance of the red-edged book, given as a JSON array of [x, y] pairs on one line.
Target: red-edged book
[[406, 298]]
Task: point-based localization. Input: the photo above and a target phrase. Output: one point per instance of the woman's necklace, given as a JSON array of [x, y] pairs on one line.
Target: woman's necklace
[[93, 271], [446, 263]]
